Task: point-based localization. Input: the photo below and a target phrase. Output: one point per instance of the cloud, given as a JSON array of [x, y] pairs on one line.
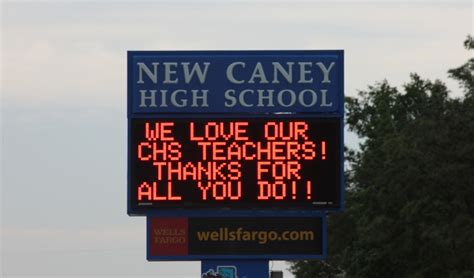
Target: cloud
[[44, 70], [65, 53], [116, 251]]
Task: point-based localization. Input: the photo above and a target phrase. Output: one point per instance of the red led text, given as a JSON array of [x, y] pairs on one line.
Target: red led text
[[224, 161]]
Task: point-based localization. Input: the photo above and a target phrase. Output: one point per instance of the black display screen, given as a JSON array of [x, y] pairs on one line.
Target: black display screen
[[235, 163]]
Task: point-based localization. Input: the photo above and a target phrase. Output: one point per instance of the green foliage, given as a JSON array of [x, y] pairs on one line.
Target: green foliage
[[465, 73], [410, 200]]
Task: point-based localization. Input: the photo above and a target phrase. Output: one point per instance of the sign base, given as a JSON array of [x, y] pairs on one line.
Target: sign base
[[234, 269]]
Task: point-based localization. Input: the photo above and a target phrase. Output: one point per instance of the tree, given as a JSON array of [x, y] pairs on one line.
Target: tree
[[410, 200], [464, 74]]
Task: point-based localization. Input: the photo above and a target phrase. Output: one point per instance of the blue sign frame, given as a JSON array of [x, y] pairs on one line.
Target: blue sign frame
[[224, 58], [321, 256]]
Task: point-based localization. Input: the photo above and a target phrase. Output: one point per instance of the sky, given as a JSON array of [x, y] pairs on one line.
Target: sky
[[63, 105]]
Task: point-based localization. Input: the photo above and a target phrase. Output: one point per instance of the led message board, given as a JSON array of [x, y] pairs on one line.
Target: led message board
[[225, 132], [235, 162]]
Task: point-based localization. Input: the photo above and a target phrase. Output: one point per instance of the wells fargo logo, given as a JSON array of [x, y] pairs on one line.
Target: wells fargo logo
[[169, 237]]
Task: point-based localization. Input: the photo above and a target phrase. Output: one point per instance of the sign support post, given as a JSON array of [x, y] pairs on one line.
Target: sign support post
[[234, 268]]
